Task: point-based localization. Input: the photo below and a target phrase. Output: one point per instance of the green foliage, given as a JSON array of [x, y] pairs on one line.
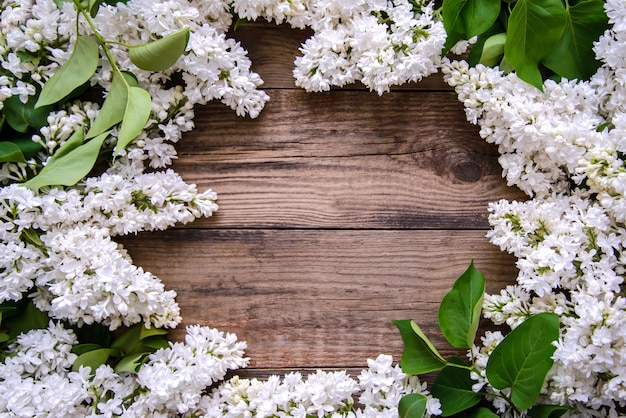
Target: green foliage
[[520, 362], [70, 166], [453, 388], [493, 50], [23, 117], [412, 405], [136, 115], [125, 354], [538, 34], [420, 355], [482, 412], [11, 153], [114, 106], [523, 359], [460, 309], [160, 54], [464, 19], [572, 56], [127, 104], [74, 73], [92, 358], [534, 28], [548, 411]]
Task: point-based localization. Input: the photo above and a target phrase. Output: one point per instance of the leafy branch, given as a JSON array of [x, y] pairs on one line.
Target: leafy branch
[[518, 364], [527, 35], [126, 105]]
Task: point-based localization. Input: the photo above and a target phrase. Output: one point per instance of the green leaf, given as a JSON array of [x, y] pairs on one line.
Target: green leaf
[[93, 7], [10, 153], [151, 332], [548, 411], [493, 50], [30, 318], [131, 363], [136, 115], [70, 168], [24, 116], [28, 147], [161, 54], [74, 73], [80, 349], [453, 388], [114, 106], [129, 340], [459, 312], [412, 405], [464, 19], [74, 141], [32, 236], [132, 340], [419, 355], [523, 358], [572, 56], [155, 342], [534, 28], [482, 412], [93, 359]]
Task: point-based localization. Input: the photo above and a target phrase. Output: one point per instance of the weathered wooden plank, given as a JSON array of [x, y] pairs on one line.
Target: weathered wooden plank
[[345, 160], [273, 49], [316, 298]]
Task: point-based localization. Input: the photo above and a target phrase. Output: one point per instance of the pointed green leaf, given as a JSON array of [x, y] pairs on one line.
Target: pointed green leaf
[[75, 140], [453, 388], [482, 412], [464, 19], [493, 50], [151, 332], [548, 411], [129, 340], [534, 28], [74, 73], [572, 57], [523, 359], [30, 318], [412, 405], [79, 349], [10, 153], [70, 168], [93, 7], [24, 116], [459, 312], [28, 147], [93, 359], [114, 105], [136, 115], [161, 54], [155, 342], [131, 363], [419, 355]]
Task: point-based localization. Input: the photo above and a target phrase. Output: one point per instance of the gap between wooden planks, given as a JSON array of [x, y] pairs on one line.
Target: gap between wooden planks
[[339, 211]]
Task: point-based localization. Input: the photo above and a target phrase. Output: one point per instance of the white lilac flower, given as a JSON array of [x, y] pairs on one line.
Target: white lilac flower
[[88, 279], [175, 377], [321, 394], [380, 44]]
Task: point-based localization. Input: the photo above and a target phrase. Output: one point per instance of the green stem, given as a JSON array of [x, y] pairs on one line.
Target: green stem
[[103, 42]]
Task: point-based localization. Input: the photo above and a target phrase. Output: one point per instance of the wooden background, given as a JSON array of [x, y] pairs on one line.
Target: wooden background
[[339, 211]]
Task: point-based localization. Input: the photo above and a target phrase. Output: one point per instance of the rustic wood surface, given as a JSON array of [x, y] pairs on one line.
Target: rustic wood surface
[[339, 211]]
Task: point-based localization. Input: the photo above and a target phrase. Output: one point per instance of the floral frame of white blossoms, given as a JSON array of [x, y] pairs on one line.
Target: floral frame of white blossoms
[[564, 146]]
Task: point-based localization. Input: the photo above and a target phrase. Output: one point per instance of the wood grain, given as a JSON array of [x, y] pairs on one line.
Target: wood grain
[[339, 212], [345, 160], [316, 298]]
